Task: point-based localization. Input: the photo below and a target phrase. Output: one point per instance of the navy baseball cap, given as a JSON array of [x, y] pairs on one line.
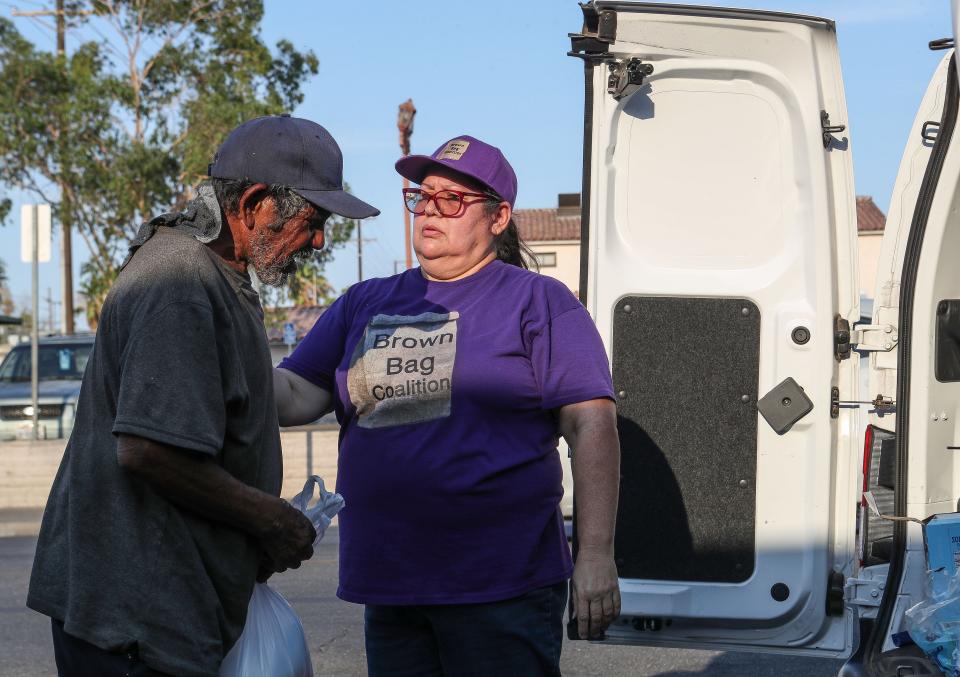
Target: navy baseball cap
[[279, 149]]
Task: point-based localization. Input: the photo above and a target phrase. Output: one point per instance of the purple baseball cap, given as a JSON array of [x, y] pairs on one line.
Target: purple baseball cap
[[468, 156], [292, 152]]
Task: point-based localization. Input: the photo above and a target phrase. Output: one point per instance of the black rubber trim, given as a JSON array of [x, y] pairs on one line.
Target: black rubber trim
[[941, 43], [724, 12], [585, 180], [908, 281], [588, 66]]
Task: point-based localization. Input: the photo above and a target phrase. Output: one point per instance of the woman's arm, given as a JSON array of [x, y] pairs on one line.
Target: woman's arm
[[590, 428], [298, 401]]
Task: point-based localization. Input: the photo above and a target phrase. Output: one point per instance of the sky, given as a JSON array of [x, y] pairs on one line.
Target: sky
[[498, 70]]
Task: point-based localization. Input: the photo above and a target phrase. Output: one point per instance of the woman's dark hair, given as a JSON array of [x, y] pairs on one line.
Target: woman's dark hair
[[288, 203], [509, 246]]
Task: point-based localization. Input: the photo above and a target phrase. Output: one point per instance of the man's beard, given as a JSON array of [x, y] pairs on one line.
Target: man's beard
[[271, 270]]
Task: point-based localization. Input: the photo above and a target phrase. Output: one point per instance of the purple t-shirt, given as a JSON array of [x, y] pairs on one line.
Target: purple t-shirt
[[448, 462]]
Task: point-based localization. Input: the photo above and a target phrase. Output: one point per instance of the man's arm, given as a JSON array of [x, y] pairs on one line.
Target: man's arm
[[590, 428], [194, 482], [298, 401]]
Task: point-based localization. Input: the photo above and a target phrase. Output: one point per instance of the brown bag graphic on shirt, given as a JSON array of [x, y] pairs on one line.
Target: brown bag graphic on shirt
[[402, 369]]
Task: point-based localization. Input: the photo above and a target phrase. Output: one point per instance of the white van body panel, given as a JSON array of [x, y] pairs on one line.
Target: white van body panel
[[903, 201], [934, 468], [933, 471], [711, 180], [883, 364]]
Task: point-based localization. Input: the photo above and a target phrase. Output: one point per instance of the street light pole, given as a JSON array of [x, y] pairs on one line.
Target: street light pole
[[405, 125]]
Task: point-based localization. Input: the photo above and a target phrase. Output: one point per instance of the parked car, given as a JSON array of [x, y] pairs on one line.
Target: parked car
[[719, 261], [62, 360]]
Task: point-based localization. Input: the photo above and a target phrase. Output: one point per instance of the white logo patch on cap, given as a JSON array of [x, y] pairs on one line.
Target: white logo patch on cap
[[454, 150]]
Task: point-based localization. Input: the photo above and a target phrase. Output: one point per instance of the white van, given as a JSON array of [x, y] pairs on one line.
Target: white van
[[719, 261]]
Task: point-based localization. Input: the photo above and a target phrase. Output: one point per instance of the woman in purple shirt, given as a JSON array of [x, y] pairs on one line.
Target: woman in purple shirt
[[452, 383]]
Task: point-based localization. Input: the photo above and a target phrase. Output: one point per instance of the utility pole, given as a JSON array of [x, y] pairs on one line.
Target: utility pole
[[66, 239], [405, 125], [359, 252], [360, 242], [51, 305]]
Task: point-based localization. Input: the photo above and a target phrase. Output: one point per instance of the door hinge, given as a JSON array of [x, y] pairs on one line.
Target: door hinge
[[599, 31], [828, 129], [835, 594], [626, 75], [865, 592], [874, 338], [841, 338]]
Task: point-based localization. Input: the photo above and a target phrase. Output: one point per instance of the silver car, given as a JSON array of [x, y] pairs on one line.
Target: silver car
[[62, 360]]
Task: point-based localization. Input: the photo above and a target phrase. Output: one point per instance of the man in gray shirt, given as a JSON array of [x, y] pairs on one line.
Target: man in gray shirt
[[165, 509]]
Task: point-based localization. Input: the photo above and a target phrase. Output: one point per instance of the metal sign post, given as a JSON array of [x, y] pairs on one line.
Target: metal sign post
[[35, 227], [34, 323], [289, 336]]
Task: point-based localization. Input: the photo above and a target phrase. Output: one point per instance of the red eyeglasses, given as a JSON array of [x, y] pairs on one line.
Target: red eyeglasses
[[450, 203]]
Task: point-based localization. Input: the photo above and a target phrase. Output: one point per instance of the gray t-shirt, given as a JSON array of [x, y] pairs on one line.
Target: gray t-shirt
[[180, 357]]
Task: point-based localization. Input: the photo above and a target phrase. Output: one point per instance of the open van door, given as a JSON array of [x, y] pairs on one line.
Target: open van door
[[719, 262], [915, 368], [918, 291]]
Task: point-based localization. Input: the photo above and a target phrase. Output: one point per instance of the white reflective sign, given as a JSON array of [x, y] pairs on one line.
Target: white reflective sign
[[289, 334], [44, 235]]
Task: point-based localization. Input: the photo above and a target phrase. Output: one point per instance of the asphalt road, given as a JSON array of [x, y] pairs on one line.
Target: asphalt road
[[335, 631]]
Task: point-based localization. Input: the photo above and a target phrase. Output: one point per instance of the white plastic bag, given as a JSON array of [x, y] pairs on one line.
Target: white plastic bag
[[934, 623], [323, 510], [273, 643]]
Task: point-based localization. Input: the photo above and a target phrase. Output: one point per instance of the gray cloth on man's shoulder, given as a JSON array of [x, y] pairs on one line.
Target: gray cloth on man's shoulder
[[201, 218], [180, 357]]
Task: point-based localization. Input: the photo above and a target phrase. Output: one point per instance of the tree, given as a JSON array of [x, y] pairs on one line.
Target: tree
[[6, 302], [6, 299], [124, 126]]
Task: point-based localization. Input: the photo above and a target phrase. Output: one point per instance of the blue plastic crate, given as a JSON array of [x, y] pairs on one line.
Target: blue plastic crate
[[942, 536]]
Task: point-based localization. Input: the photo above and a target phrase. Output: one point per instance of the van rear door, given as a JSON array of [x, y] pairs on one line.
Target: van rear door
[[718, 260]]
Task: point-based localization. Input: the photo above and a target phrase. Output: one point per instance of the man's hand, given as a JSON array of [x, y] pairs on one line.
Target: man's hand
[[264, 569], [196, 483], [287, 539], [596, 593]]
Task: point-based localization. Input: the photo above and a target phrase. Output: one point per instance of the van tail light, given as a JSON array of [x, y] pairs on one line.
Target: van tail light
[[867, 453], [879, 468], [864, 511]]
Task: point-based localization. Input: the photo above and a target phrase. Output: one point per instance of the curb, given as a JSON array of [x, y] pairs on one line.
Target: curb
[[13, 529], [20, 522]]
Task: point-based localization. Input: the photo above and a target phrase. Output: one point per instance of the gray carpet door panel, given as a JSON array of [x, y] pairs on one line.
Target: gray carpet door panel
[[686, 371]]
